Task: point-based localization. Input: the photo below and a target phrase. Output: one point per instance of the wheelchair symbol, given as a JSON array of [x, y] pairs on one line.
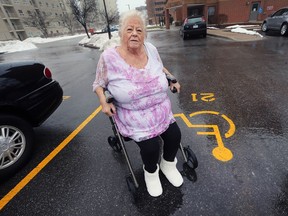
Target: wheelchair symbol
[[220, 152]]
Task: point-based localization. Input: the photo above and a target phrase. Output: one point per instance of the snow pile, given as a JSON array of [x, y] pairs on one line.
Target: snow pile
[[29, 43], [115, 41], [242, 29], [15, 45], [101, 41], [245, 31], [212, 27], [241, 26]]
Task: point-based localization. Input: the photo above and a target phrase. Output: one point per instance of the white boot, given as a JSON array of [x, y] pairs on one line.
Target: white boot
[[171, 172], [153, 183]]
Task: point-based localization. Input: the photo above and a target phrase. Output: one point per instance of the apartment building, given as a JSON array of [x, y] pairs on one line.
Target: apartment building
[[224, 11], [13, 14]]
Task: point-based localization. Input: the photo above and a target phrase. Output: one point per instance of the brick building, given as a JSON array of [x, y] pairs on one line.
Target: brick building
[[223, 11], [155, 11]]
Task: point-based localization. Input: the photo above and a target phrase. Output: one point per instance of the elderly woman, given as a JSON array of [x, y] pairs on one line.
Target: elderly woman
[[134, 74]]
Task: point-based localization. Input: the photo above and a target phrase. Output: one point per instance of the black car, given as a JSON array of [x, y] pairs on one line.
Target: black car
[[193, 25], [278, 21], [28, 96]]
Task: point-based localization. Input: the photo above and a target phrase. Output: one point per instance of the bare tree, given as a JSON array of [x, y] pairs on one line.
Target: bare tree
[[38, 20], [83, 10], [68, 21], [110, 17]]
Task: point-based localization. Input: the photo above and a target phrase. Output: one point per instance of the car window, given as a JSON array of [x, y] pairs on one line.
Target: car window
[[278, 13], [285, 12], [194, 20]]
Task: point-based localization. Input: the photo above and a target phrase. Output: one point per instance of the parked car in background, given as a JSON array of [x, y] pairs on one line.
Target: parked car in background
[[277, 22], [193, 25], [112, 28], [28, 96]]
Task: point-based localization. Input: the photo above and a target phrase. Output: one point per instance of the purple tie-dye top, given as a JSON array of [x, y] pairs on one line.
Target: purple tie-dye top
[[143, 106]]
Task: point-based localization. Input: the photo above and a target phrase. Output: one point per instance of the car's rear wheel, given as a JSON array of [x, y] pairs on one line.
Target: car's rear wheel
[[16, 141], [284, 29], [264, 27]]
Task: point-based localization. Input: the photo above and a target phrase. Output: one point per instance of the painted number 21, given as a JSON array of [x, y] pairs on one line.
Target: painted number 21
[[207, 97]]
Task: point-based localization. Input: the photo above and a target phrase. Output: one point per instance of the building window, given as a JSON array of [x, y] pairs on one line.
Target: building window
[[211, 11], [20, 12]]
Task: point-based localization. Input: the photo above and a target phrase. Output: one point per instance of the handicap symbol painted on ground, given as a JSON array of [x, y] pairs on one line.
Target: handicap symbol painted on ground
[[220, 152]]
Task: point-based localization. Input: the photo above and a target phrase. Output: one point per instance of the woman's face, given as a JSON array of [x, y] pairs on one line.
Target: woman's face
[[133, 33]]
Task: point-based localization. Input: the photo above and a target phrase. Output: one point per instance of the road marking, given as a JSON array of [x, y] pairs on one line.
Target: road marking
[[207, 97], [11, 194], [220, 152], [66, 97]]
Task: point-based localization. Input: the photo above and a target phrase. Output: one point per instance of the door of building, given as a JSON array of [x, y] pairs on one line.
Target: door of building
[[254, 11]]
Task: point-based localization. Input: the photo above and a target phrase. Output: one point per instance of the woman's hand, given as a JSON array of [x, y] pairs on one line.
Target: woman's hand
[[176, 86], [108, 108]]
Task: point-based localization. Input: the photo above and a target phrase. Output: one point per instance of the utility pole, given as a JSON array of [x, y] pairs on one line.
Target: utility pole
[[107, 20]]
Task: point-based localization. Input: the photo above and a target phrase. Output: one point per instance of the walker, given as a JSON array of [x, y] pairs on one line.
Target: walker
[[118, 145]]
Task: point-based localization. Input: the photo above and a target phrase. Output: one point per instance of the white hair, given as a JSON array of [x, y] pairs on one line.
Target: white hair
[[128, 15]]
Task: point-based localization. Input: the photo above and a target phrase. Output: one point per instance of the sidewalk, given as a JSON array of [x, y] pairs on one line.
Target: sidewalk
[[226, 33]]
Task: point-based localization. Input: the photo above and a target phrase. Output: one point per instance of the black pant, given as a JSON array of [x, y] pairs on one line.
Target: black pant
[[150, 149]]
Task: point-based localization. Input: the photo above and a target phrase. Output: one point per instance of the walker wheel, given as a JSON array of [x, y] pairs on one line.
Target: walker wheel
[[189, 173], [114, 143], [192, 161]]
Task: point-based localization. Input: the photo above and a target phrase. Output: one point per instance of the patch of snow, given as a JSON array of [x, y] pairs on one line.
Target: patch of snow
[[245, 31], [101, 41], [240, 26], [15, 46]]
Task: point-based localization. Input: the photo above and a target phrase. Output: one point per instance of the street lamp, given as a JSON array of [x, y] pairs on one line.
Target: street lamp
[[107, 20]]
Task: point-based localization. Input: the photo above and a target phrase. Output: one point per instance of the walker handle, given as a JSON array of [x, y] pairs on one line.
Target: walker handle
[[108, 96], [171, 79]]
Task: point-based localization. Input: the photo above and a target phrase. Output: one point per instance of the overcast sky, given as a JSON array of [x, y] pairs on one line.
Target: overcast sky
[[124, 5]]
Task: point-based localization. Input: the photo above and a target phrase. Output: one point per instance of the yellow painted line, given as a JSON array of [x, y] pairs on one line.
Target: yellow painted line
[[10, 195], [66, 97]]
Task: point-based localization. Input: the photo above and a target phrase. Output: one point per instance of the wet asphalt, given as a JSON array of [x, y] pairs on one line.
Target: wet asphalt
[[232, 112]]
